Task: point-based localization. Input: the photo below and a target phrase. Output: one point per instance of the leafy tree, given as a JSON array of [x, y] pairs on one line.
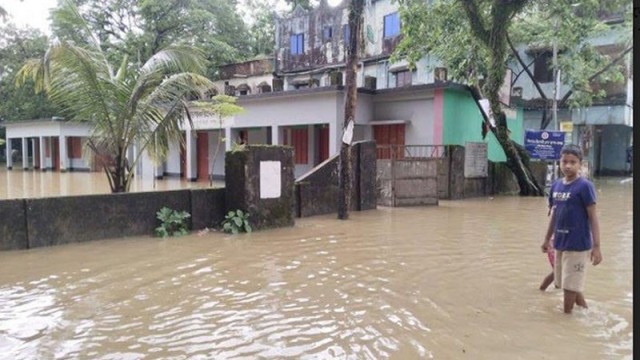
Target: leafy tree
[[139, 28], [261, 26], [124, 105], [470, 38], [582, 66], [16, 46], [475, 40]]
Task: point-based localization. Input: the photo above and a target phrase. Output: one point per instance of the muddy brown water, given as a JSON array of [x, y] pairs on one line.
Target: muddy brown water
[[456, 281]]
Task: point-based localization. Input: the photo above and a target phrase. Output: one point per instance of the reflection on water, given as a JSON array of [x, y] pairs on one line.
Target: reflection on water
[[455, 281], [16, 184]]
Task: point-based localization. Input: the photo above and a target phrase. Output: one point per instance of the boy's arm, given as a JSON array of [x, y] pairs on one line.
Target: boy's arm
[[547, 238], [596, 255]]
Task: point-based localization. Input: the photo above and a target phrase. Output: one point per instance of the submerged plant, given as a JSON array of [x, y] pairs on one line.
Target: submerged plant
[[172, 222], [236, 221]]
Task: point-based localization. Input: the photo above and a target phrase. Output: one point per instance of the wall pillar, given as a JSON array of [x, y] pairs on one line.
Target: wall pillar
[[9, 157], [190, 156], [43, 162], [64, 158], [34, 146], [275, 135], [25, 153]]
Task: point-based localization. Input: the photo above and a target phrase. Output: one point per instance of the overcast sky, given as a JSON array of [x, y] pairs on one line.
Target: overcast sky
[[30, 12], [35, 13]]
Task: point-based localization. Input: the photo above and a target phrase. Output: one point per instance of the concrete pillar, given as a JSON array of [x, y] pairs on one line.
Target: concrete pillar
[[25, 154], [275, 135], [43, 162], [64, 158], [33, 153], [334, 145], [191, 152], [311, 145], [9, 157], [228, 140]]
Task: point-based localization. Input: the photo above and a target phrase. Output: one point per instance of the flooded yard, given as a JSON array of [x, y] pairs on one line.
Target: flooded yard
[[455, 281]]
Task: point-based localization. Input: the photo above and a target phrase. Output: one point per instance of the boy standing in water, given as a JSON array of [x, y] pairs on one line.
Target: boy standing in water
[[574, 228]]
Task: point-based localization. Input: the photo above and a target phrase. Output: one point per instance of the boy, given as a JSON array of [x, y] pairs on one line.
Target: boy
[[574, 228]]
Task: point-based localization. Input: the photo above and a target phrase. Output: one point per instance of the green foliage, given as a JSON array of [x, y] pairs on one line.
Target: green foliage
[[140, 28], [445, 30], [236, 221], [20, 103], [125, 103], [172, 222]]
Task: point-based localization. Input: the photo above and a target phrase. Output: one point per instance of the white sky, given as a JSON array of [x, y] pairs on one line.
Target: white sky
[[34, 13]]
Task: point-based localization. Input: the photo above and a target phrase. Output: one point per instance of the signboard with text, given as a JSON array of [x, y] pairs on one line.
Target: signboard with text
[[543, 144]]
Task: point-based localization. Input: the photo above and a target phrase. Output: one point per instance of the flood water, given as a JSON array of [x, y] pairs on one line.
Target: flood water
[[16, 184], [455, 281]]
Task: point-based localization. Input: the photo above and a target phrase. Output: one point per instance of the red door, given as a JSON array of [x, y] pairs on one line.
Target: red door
[[323, 143], [203, 155], [55, 158], [389, 135]]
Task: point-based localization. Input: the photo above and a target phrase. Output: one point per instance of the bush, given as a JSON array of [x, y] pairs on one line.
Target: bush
[[172, 222], [236, 221]]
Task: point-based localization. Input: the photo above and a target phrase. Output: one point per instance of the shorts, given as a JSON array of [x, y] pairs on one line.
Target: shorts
[[571, 269]]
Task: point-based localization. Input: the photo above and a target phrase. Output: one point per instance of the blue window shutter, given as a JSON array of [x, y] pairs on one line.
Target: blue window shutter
[[300, 43], [346, 32], [391, 25], [294, 45]]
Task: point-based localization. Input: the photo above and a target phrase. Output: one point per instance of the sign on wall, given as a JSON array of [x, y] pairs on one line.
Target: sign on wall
[[476, 160], [270, 180], [543, 144]]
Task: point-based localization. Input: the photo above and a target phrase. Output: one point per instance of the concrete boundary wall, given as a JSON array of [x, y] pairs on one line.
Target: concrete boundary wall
[[317, 191], [30, 223]]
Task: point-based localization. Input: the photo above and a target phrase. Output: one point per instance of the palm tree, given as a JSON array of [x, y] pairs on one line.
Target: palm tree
[[132, 109]]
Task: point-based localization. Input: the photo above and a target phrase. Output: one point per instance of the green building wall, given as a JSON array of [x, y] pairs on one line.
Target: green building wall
[[462, 123]]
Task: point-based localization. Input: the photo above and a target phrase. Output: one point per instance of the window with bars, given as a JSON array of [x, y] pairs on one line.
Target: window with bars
[[403, 78]]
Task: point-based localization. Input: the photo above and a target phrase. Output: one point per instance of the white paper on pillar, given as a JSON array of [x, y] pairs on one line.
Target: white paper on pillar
[[270, 181]]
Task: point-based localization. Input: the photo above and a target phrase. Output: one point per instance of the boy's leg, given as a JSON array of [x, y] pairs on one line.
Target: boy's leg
[[569, 300], [580, 301], [547, 281]]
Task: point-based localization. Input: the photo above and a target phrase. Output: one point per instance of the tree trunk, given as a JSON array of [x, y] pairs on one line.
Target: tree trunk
[[517, 156], [344, 182]]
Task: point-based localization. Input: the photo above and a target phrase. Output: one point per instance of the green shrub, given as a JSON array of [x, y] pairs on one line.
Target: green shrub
[[172, 222], [236, 221]]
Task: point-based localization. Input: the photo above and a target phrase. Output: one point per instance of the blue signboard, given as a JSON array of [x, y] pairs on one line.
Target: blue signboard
[[543, 144]]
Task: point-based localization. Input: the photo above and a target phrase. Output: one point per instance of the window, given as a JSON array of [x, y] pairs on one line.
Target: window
[[297, 44], [542, 71], [327, 32], [391, 25], [345, 32], [403, 78]]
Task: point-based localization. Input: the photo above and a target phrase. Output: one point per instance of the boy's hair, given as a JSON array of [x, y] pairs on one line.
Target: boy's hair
[[572, 150]]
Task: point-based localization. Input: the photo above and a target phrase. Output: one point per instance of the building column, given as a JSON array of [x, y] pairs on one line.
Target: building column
[[228, 140], [275, 135], [25, 153], [190, 156], [43, 163], [334, 145], [33, 153], [64, 158], [9, 157]]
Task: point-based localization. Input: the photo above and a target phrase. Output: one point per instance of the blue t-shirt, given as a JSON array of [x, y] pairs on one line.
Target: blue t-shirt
[[572, 230]]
